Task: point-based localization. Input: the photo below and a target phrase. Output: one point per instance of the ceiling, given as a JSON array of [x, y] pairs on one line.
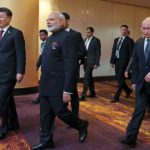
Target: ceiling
[[142, 3]]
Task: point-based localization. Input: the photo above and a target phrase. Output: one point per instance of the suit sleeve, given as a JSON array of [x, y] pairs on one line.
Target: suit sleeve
[[38, 63], [112, 59], [134, 67], [129, 67], [98, 52], [70, 63], [20, 52], [81, 47], [131, 47]]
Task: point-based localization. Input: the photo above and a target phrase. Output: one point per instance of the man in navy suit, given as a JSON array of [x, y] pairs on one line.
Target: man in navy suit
[[121, 52], [141, 83], [81, 52], [12, 69], [91, 61], [58, 74]]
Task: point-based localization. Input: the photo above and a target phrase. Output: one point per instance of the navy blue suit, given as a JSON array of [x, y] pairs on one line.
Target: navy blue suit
[[140, 69], [12, 61]]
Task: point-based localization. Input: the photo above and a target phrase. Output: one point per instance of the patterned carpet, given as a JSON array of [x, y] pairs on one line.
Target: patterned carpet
[[14, 142], [114, 114]]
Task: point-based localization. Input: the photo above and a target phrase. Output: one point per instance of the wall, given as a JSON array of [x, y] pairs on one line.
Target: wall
[[25, 17], [105, 17]]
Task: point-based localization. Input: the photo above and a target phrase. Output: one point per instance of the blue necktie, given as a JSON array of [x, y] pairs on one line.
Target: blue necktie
[[147, 49]]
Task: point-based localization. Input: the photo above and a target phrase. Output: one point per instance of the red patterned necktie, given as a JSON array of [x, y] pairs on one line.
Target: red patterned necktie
[[1, 33]]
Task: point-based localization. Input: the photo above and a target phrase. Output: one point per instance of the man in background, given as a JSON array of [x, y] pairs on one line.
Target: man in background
[[91, 61], [12, 70], [43, 34], [121, 52], [81, 52]]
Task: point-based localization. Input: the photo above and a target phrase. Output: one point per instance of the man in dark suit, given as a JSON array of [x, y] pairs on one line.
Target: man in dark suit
[[81, 51], [12, 69], [93, 47], [122, 50], [141, 83], [58, 74], [43, 34]]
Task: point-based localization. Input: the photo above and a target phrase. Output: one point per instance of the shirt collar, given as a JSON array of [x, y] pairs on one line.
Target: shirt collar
[[67, 29], [5, 29]]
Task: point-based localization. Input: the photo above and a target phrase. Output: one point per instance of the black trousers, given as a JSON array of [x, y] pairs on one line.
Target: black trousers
[[142, 101], [88, 82], [119, 71], [50, 107], [7, 105], [75, 100]]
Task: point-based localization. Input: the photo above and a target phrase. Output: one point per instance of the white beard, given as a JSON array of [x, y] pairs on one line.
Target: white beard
[[54, 28]]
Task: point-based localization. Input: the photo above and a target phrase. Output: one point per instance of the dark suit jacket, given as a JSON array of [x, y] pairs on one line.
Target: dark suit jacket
[[125, 52], [59, 64], [12, 55], [94, 52], [140, 67], [81, 50]]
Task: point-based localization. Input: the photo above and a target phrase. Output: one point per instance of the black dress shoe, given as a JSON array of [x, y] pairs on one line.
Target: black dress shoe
[[2, 135], [14, 127], [36, 101], [114, 101], [83, 132], [82, 98], [128, 94], [41, 146], [91, 96], [124, 140], [68, 127]]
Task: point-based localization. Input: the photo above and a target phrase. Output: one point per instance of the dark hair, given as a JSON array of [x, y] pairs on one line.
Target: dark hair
[[6, 10], [66, 15], [124, 25], [44, 31], [90, 28]]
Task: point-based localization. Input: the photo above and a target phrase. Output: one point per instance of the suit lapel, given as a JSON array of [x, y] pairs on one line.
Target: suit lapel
[[7, 34], [91, 42], [142, 50]]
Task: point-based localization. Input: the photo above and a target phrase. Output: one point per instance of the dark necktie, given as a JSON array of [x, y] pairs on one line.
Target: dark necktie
[[118, 47], [147, 49], [1, 33], [119, 43]]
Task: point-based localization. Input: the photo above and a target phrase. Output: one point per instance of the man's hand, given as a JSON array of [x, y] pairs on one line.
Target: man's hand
[[112, 65], [19, 77], [133, 87], [147, 77], [126, 74], [95, 66], [66, 97]]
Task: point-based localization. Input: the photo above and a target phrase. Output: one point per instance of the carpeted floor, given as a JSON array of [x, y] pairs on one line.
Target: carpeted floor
[[107, 123], [14, 141]]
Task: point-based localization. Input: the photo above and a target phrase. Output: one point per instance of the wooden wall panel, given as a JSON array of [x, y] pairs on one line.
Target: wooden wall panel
[[25, 17]]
